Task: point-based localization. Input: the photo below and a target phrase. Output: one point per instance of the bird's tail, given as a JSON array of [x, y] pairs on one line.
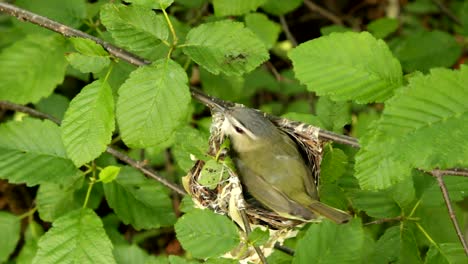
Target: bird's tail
[[336, 215]]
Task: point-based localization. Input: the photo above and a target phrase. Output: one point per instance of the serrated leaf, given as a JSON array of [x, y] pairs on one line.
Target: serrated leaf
[[77, 237], [235, 8], [89, 122], [109, 173], [32, 152], [396, 245], [383, 27], [267, 30], [222, 85], [278, 8], [88, 47], [226, 47], [258, 236], [10, 226], [54, 105], [205, 234], [333, 165], [212, 174], [141, 202], [446, 253], [399, 140], [85, 63], [425, 50], [348, 66], [34, 66], [151, 4], [333, 115], [71, 13], [152, 103], [55, 200], [328, 242], [136, 28], [134, 254]]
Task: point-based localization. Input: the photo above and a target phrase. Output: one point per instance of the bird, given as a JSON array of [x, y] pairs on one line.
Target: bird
[[271, 167]]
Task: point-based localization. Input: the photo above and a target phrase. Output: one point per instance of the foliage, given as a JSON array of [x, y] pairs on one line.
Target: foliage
[[395, 82]]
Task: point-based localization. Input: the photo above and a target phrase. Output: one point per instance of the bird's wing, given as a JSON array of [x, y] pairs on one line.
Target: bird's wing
[[271, 195]]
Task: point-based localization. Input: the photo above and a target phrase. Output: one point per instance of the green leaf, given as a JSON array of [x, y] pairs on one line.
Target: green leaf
[[152, 4], [91, 57], [32, 152], [34, 231], [212, 174], [134, 254], [54, 105], [425, 50], [396, 245], [141, 202], [109, 173], [222, 86], [399, 140], [333, 115], [89, 122], [456, 187], [10, 226], [34, 66], [328, 242], [55, 200], [446, 253], [258, 236], [348, 66], [136, 28], [226, 47], [333, 165], [383, 27], [265, 29], [278, 8], [152, 103], [71, 13], [235, 8], [77, 237], [205, 234], [327, 30]]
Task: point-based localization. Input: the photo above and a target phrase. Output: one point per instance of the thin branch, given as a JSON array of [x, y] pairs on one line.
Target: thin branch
[[385, 220], [342, 139], [147, 171], [447, 12], [323, 12], [248, 230], [27, 110], [438, 175], [287, 32]]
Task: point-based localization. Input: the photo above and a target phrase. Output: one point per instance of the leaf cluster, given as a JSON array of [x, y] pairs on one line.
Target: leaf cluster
[[397, 83]]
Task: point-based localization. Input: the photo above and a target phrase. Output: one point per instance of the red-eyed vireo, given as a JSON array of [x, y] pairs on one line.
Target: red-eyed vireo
[[271, 167]]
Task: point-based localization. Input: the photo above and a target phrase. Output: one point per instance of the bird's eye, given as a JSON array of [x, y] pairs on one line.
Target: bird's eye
[[239, 130]]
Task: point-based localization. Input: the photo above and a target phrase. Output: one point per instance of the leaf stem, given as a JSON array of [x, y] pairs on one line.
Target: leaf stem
[[28, 213], [175, 39], [427, 235], [92, 181]]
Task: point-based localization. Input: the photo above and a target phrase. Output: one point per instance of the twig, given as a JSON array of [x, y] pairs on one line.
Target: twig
[[27, 110], [287, 32], [353, 142], [455, 172], [284, 249], [323, 12], [385, 220], [248, 230], [147, 171], [438, 175], [447, 12]]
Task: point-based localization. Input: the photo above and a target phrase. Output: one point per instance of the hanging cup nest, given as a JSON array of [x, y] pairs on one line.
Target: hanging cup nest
[[226, 197]]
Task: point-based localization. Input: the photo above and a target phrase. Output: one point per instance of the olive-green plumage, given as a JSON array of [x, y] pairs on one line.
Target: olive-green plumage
[[271, 167]]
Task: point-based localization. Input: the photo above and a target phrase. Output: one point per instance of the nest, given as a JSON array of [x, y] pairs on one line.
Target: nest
[[226, 197]]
